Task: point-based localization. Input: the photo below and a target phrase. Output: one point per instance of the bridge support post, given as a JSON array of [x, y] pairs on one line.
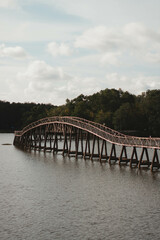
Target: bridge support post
[[155, 160], [39, 148], [77, 139], [30, 142], [70, 141], [134, 158], [55, 145], [45, 141], [121, 158], [144, 162], [103, 148], [87, 147], [93, 145], [76, 142], [65, 144], [93, 154], [35, 140], [113, 155], [82, 142]]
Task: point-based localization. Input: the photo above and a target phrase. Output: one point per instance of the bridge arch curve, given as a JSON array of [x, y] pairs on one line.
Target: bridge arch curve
[[45, 134]]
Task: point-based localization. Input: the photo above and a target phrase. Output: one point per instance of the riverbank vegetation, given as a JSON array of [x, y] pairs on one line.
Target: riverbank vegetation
[[136, 115]]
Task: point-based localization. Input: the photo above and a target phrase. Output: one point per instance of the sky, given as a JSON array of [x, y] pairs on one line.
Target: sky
[[51, 50]]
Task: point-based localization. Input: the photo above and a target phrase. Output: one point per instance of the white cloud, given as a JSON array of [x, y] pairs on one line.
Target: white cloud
[[99, 38], [152, 57], [56, 49], [14, 52], [109, 41], [133, 38], [8, 3], [42, 73], [110, 58], [136, 84], [41, 82], [45, 83], [140, 38]]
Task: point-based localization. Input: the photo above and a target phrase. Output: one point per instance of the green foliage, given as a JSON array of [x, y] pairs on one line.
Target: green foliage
[[152, 109], [104, 118], [14, 116], [37, 112], [114, 108], [124, 117]]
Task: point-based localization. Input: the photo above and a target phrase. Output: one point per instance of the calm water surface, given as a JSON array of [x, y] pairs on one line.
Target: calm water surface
[[50, 197]]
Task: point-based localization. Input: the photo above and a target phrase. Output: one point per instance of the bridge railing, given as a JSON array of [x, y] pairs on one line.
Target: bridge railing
[[45, 120], [116, 138], [97, 129], [101, 126]]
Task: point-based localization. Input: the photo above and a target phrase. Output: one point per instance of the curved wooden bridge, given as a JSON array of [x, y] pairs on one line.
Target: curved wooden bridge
[[77, 136]]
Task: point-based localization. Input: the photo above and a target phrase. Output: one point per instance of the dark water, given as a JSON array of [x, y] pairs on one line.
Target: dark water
[[46, 197]]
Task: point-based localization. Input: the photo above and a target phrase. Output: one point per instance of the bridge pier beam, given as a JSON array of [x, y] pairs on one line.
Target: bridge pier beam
[[134, 158], [55, 144], [123, 159], [113, 155], [103, 153], [155, 160], [93, 154], [87, 153], [145, 162], [65, 145]]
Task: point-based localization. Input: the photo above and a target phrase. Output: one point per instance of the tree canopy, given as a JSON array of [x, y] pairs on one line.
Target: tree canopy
[[118, 109]]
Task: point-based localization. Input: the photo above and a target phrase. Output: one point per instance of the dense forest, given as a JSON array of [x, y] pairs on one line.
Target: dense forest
[[121, 110], [14, 116]]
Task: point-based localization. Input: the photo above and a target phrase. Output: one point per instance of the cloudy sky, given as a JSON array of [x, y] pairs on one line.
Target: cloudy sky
[[51, 50]]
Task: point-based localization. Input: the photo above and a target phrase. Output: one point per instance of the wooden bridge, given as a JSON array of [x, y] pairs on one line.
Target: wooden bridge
[[80, 137]]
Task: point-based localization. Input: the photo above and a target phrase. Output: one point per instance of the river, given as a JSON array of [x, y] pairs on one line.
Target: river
[[45, 197]]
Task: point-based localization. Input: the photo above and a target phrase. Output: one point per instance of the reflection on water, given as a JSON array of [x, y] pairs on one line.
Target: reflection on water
[[53, 197]]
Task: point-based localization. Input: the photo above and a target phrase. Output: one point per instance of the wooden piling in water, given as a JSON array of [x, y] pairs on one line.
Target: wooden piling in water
[[123, 156], [134, 158], [143, 162], [103, 152], [155, 160], [87, 153], [113, 155]]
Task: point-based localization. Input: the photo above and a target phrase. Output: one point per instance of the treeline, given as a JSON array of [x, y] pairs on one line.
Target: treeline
[[14, 116], [121, 110]]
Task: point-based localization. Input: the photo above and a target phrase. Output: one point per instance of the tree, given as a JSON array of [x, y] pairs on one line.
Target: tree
[[124, 118], [152, 109], [104, 118]]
